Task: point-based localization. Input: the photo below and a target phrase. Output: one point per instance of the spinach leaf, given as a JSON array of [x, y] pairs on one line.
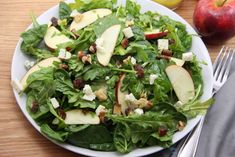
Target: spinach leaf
[[64, 11], [91, 137], [56, 135], [132, 8], [86, 5], [97, 72]]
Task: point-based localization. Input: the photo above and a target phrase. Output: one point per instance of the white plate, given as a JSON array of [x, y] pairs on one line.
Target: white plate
[[198, 47]]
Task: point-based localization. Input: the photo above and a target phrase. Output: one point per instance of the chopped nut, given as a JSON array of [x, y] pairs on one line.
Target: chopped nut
[[62, 113], [34, 107], [92, 48], [162, 131], [117, 109], [180, 125], [127, 60], [125, 43], [101, 94], [78, 18], [144, 103], [80, 54], [86, 58], [143, 95], [54, 21], [140, 71], [64, 66], [102, 116], [75, 33], [78, 83]]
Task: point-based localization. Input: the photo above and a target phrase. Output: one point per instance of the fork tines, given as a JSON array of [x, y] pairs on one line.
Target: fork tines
[[222, 64]]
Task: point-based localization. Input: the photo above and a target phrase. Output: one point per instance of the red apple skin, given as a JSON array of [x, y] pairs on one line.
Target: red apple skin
[[215, 23], [155, 35]]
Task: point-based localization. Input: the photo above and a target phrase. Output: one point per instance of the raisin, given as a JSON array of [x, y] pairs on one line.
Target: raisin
[[62, 113], [78, 83], [54, 21], [162, 131], [34, 107], [125, 43], [139, 70]]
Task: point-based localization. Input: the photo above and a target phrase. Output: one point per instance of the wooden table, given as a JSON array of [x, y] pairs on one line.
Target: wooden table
[[17, 136]]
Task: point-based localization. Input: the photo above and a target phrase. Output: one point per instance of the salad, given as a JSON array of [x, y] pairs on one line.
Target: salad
[[111, 78]]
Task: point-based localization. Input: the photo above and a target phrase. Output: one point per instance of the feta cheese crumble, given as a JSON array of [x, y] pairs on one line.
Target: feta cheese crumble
[[152, 78], [130, 97], [133, 61], [100, 109], [88, 93], [163, 44], [63, 54], [187, 56], [128, 32], [139, 111], [29, 64], [54, 103]]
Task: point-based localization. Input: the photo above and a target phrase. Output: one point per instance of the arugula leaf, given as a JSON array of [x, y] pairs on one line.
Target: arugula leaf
[[96, 72], [122, 138], [64, 11], [132, 8]]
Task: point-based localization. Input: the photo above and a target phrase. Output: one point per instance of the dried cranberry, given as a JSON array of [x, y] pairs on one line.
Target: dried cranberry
[[139, 70], [125, 43], [34, 107], [64, 66], [78, 83], [54, 21], [167, 53], [92, 48], [162, 131], [62, 113]]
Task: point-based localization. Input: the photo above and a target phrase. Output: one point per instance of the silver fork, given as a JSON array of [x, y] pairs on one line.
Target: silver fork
[[221, 68]]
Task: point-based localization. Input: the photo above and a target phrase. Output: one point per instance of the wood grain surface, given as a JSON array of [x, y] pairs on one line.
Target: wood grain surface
[[17, 136]]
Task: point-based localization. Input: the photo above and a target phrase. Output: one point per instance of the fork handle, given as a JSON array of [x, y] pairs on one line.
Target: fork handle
[[189, 146]]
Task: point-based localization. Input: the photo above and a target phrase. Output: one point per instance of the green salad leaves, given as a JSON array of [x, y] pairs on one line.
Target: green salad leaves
[[129, 103]]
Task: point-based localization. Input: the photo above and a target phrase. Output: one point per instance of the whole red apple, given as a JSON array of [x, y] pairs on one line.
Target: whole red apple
[[215, 20]]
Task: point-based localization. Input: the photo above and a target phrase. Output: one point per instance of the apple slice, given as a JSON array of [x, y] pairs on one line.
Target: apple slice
[[182, 82], [54, 37], [78, 116], [177, 61], [120, 97], [44, 63], [88, 18], [109, 37], [154, 34]]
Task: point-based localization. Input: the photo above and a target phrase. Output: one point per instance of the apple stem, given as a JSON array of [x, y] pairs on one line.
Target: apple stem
[[124, 70], [220, 3]]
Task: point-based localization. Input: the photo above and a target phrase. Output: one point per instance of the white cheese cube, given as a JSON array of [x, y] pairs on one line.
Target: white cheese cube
[[128, 32], [63, 54], [133, 61], [54, 103], [163, 44], [130, 97], [89, 94], [152, 78], [139, 111], [17, 85], [100, 109], [29, 64], [187, 56]]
